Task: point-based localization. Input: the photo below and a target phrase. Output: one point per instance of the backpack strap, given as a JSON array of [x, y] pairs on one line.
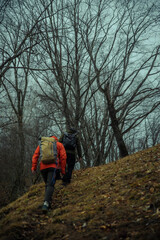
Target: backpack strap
[[55, 151]]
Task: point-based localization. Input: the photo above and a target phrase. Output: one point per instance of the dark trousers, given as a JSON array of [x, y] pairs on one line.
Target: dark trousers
[[69, 168], [49, 177]]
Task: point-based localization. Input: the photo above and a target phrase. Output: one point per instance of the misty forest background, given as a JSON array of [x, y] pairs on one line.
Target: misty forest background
[[94, 64]]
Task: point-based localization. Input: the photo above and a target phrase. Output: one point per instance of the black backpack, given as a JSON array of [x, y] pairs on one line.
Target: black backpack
[[69, 140]]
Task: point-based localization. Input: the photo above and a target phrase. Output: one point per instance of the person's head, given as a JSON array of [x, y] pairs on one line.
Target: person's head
[[71, 129]]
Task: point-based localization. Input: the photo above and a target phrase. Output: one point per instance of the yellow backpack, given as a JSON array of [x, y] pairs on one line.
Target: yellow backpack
[[48, 150]]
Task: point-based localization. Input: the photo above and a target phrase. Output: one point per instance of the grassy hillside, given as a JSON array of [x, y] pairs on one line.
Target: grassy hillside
[[118, 200]]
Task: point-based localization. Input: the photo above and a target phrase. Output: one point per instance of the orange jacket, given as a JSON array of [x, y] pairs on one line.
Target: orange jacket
[[61, 158]]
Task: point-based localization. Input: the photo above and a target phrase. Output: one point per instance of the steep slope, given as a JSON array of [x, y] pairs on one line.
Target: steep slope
[[118, 200]]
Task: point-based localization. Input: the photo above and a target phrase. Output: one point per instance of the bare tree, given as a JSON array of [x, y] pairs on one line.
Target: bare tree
[[17, 18], [151, 133], [124, 65], [83, 44], [16, 92], [96, 132], [3, 7], [65, 61]]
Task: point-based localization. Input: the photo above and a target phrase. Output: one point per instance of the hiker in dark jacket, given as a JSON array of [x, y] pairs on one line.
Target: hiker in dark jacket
[[71, 153]]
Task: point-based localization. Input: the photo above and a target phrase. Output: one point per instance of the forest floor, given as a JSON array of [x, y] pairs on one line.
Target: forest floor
[[119, 200]]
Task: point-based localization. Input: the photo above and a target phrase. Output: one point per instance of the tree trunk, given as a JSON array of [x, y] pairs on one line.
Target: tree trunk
[[114, 123]]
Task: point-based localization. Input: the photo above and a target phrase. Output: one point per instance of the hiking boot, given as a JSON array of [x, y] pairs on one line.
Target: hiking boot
[[45, 207], [66, 183]]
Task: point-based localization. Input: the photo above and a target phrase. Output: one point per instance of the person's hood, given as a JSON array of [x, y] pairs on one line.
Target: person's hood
[[55, 138]]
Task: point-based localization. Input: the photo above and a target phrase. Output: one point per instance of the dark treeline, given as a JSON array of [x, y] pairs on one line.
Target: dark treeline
[[93, 64]]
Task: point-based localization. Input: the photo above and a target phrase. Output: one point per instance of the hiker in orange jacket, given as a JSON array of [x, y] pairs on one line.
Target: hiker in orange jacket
[[50, 172]]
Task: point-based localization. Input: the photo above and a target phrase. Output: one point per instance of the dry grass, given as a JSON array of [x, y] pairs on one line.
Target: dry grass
[[118, 200]]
